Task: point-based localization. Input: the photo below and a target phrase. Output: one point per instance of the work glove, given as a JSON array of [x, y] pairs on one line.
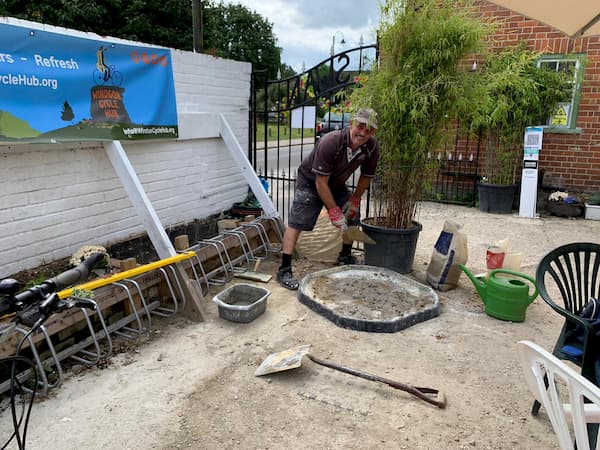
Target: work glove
[[337, 218], [351, 208]]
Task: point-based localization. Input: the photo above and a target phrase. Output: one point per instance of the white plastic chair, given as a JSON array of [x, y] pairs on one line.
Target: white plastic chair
[[570, 400]]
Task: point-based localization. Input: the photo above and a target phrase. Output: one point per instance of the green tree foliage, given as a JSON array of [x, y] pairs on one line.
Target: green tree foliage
[[230, 31], [235, 32], [287, 71], [278, 92]]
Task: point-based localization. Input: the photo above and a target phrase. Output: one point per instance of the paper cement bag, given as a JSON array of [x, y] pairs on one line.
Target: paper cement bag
[[449, 251], [323, 243]]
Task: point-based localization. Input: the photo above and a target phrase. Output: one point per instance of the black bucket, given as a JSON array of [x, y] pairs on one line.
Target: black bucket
[[394, 248]]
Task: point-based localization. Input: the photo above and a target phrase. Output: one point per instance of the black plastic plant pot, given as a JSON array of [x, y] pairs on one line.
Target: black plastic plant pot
[[496, 198], [394, 248]]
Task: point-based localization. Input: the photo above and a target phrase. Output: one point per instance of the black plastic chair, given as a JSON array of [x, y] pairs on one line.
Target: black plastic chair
[[566, 279]]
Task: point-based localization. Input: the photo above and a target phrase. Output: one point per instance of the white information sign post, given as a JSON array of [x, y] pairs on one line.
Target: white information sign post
[[529, 179]]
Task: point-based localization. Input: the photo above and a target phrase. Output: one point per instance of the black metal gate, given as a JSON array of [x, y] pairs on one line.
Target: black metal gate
[[287, 115], [457, 174]]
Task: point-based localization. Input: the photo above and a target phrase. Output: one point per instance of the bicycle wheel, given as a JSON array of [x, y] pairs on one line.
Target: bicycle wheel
[[98, 77], [116, 78]]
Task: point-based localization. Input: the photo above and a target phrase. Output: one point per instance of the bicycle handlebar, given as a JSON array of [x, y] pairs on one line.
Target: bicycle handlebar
[[38, 293], [77, 274]]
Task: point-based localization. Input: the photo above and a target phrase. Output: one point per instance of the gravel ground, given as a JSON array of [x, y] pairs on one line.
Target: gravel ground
[[192, 385]]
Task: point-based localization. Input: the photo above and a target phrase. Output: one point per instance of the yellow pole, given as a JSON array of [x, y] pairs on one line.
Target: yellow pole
[[95, 284]]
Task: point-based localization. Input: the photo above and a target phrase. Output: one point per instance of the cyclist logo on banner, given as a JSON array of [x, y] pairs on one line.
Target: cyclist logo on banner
[[107, 99], [104, 72]]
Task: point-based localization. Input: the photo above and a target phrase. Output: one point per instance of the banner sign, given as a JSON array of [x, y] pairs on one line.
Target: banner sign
[[57, 88]]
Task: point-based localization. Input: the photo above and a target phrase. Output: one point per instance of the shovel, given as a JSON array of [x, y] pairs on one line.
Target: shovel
[[292, 359]]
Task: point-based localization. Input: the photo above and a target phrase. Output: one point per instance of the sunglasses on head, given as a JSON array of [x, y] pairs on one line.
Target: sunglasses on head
[[363, 126]]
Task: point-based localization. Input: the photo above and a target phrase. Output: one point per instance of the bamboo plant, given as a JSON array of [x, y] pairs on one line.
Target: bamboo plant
[[418, 88], [515, 94]]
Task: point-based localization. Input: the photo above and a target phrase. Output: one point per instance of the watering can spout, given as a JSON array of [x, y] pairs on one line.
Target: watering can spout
[[479, 284]]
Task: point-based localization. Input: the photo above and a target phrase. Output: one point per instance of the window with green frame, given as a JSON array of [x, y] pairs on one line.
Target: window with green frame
[[565, 115]]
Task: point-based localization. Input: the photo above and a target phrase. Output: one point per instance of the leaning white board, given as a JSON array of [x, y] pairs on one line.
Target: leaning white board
[[238, 155]]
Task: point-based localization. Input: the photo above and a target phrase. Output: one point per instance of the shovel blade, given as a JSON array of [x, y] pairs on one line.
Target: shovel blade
[[285, 360], [356, 234]]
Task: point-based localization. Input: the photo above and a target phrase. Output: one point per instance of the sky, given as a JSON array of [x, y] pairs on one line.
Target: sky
[[305, 29]]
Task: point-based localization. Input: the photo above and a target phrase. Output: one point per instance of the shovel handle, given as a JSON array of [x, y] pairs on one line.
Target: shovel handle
[[439, 401]]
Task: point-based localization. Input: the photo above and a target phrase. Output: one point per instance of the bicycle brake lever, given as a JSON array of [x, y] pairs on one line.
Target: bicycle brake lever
[[29, 316], [35, 315]]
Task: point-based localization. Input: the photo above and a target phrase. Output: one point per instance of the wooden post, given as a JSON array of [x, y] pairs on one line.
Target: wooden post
[[182, 242]]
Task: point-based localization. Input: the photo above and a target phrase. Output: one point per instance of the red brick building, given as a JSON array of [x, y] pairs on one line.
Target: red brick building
[[571, 146]]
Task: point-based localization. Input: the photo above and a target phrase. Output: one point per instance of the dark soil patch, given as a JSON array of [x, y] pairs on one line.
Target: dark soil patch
[[30, 277]]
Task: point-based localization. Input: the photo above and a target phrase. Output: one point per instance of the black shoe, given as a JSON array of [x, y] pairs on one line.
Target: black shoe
[[345, 260], [286, 279]]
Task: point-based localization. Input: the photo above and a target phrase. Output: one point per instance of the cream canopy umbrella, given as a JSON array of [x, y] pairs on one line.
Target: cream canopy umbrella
[[574, 17]]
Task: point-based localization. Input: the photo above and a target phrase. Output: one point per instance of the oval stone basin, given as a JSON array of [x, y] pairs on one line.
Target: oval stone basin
[[368, 298]]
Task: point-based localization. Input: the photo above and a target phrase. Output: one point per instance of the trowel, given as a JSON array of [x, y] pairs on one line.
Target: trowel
[[354, 233], [253, 274]]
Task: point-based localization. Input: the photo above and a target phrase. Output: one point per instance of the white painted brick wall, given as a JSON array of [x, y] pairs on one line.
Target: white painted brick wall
[[54, 199]]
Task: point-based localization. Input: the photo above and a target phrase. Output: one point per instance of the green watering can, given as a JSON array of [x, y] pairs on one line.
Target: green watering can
[[505, 298]]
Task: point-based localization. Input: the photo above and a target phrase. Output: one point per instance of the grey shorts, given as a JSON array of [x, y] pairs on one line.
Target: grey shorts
[[307, 206]]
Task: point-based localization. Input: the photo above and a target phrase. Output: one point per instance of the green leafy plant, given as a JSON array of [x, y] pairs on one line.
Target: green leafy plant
[[82, 293], [514, 94], [38, 279], [419, 87], [593, 199]]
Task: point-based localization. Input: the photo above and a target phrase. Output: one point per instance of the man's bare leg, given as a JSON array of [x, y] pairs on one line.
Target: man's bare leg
[[290, 238], [285, 276]]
